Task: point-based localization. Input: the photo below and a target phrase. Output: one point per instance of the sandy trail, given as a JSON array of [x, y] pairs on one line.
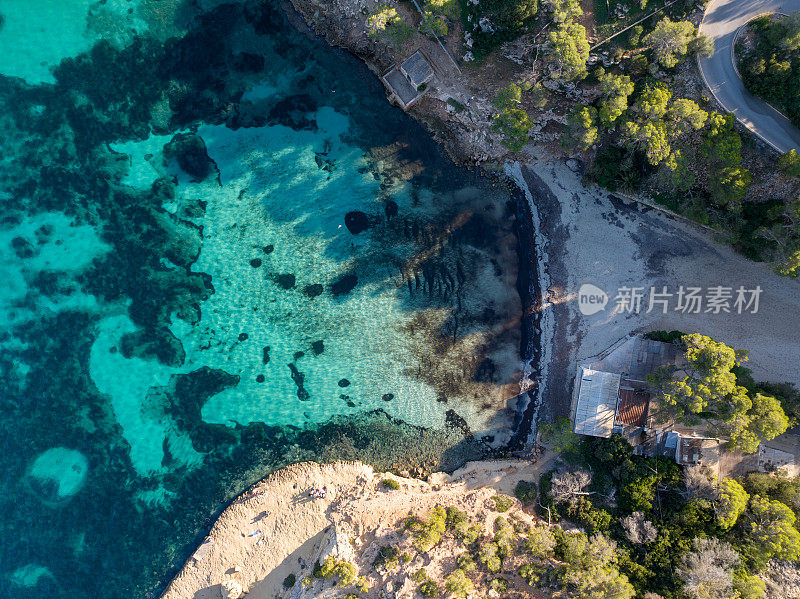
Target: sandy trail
[[293, 526]]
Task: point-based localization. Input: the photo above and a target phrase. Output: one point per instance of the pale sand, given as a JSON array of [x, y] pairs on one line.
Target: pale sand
[[587, 235], [297, 525]]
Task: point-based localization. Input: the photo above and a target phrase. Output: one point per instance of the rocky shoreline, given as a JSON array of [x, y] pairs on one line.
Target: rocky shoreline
[[330, 21]]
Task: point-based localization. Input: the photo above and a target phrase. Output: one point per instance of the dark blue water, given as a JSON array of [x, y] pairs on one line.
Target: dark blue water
[[222, 252]]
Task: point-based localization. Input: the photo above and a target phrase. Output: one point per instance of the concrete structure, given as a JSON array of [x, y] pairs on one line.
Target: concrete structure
[[408, 82], [417, 70]]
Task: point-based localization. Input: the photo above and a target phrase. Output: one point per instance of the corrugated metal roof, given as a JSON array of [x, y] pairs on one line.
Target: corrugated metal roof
[[597, 402]]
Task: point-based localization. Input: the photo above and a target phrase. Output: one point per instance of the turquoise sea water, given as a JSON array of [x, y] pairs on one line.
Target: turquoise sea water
[[222, 251]]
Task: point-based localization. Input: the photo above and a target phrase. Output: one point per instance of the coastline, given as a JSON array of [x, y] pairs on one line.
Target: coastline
[[276, 530]]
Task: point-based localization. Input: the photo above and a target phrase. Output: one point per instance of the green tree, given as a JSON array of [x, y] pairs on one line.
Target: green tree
[[564, 10], [385, 22], [513, 124], [591, 570], [771, 532], [670, 41], [721, 148], [709, 382], [428, 532], [449, 9], [702, 45], [789, 163], [685, 115], [510, 14], [570, 50], [458, 584], [433, 24], [582, 131], [761, 419], [615, 90], [731, 503], [540, 542]]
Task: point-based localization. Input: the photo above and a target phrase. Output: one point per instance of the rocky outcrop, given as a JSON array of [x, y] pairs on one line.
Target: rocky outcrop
[[230, 589]]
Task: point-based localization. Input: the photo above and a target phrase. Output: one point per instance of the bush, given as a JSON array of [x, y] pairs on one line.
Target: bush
[[526, 492], [419, 576], [465, 562], [458, 584], [428, 533], [428, 588], [346, 572], [390, 483], [362, 584], [387, 558], [664, 336], [289, 581], [502, 503]]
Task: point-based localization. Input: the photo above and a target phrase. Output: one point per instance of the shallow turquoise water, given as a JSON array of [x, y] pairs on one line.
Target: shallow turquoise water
[[222, 252]]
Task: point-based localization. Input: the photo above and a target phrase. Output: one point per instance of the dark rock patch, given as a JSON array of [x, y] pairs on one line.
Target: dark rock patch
[[292, 112], [299, 354], [391, 209], [318, 347], [22, 247], [453, 420], [299, 379], [343, 383], [388, 397], [356, 222], [313, 290], [189, 151], [344, 285], [268, 249], [247, 62], [243, 336], [188, 394], [159, 344], [351, 403], [260, 378], [285, 281], [255, 262], [343, 396], [485, 372], [265, 355]]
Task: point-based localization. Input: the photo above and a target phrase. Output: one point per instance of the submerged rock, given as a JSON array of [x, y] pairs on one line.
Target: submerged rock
[[285, 281], [313, 290], [344, 383], [356, 222], [318, 347], [344, 285], [189, 151]]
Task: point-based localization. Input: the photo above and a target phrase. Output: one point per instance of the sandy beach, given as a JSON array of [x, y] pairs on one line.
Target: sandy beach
[[586, 235]]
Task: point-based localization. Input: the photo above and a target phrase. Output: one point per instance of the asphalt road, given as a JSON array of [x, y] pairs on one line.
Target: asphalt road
[[721, 21]]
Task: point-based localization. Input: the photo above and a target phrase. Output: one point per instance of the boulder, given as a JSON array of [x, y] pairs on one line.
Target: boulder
[[230, 589]]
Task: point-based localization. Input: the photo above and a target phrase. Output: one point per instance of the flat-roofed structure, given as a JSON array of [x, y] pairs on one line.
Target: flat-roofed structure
[[596, 394], [408, 82], [417, 69]]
